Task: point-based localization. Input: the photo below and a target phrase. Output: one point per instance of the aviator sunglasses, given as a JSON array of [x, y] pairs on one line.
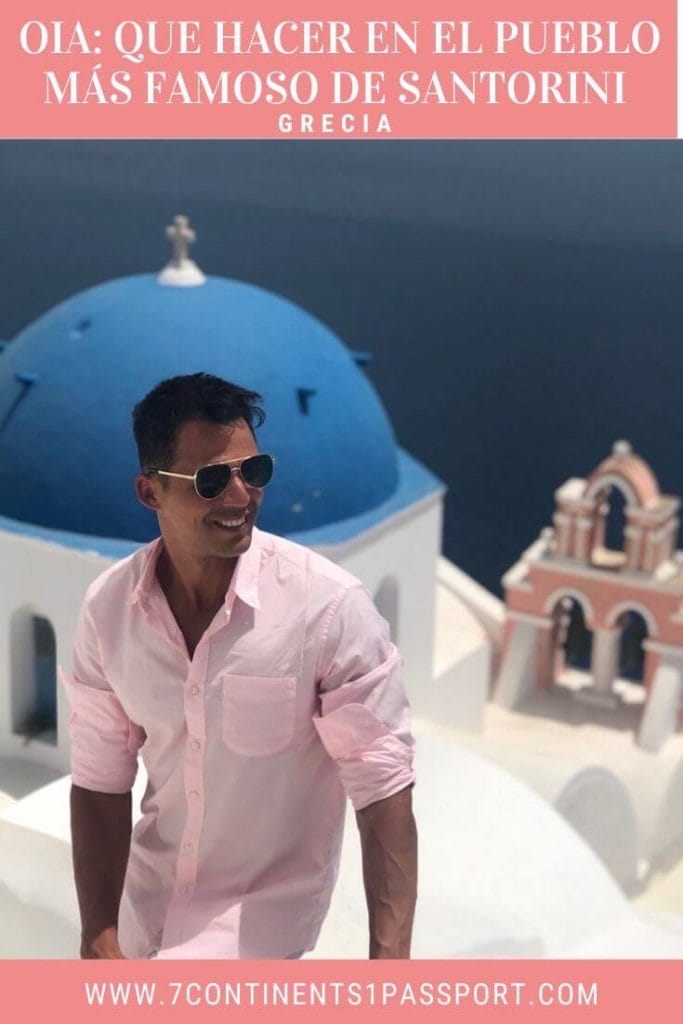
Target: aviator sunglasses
[[212, 480]]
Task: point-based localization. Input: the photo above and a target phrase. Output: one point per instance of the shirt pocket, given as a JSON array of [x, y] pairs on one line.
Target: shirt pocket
[[258, 713]]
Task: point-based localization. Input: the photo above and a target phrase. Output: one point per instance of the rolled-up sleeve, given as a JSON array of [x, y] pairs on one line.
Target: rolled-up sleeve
[[104, 741], [364, 720]]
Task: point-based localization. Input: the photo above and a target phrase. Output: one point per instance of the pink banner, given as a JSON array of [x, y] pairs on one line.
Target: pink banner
[[490, 69], [602, 992]]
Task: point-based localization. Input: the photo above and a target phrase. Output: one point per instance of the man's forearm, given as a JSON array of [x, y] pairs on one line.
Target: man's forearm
[[389, 843], [100, 834]]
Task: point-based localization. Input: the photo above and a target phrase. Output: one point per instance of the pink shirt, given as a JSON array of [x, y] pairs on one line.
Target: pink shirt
[[292, 699]]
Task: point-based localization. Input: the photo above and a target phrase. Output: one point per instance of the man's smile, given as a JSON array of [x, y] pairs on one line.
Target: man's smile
[[231, 519]]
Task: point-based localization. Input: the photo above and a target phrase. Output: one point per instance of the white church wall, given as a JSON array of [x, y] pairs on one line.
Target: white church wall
[[668, 836], [404, 549], [38, 907], [660, 718], [47, 580], [488, 609], [655, 784], [517, 676], [457, 696], [463, 657], [598, 804]]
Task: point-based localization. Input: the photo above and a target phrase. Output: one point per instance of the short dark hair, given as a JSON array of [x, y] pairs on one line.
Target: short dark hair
[[177, 400]]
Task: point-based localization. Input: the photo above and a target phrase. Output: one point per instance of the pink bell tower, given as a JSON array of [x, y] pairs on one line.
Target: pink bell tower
[[606, 566]]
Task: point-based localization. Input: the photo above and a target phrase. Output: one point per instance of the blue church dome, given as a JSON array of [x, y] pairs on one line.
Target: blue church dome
[[69, 381]]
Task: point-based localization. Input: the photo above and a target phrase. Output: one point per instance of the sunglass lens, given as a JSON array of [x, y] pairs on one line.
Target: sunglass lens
[[257, 470], [212, 480]]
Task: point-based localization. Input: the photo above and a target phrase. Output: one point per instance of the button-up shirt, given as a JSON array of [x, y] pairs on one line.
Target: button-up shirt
[[291, 700]]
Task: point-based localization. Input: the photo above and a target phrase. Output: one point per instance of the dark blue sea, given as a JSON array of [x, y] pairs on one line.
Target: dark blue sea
[[523, 301]]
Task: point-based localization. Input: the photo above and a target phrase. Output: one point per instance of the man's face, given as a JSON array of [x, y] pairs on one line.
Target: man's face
[[196, 525]]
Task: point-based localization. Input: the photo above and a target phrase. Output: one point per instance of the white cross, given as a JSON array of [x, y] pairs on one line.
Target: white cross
[[182, 236]]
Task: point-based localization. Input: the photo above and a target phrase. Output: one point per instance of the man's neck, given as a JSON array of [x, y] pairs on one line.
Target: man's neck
[[200, 584]]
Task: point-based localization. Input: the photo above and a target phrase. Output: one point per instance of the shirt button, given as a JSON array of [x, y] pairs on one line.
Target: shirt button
[[187, 846], [195, 744], [194, 794], [194, 689], [184, 889]]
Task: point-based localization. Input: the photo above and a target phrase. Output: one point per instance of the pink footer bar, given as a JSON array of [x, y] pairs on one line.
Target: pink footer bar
[[602, 992]]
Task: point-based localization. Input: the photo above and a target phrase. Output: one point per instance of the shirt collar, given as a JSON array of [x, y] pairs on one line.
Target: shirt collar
[[244, 583], [146, 579]]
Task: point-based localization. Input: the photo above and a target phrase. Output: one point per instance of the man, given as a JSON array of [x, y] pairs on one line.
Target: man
[[258, 682]]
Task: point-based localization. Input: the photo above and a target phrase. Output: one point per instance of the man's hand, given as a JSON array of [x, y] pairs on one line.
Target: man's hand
[[389, 843], [104, 947]]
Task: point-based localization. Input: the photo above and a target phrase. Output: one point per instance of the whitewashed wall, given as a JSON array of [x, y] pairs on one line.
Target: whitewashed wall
[[46, 579], [404, 549]]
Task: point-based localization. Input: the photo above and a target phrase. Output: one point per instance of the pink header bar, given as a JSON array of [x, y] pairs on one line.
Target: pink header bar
[[207, 69]]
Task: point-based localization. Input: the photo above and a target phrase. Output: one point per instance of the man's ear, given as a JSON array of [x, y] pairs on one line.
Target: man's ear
[[145, 490]]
